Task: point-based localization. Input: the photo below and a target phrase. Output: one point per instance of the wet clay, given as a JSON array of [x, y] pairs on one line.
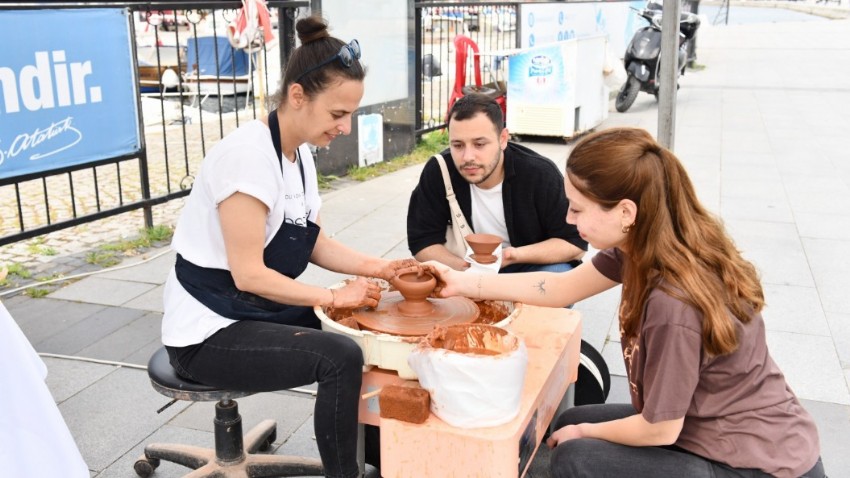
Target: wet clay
[[415, 288], [475, 351], [483, 244], [489, 312], [472, 338], [389, 319], [349, 322], [409, 404]]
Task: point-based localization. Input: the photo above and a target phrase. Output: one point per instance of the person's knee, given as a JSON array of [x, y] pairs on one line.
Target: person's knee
[[343, 355], [351, 353], [571, 416], [593, 413], [574, 458]]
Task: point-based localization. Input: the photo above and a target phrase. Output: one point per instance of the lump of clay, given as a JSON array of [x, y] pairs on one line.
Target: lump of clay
[[409, 404], [349, 322]]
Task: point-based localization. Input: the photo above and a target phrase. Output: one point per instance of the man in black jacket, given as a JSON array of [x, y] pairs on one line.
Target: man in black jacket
[[502, 188]]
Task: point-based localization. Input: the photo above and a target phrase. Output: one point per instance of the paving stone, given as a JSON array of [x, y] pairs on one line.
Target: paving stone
[[818, 225], [302, 442], [829, 261], [839, 325], [612, 352], [143, 355], [114, 415], [794, 309], [66, 378], [98, 290], [89, 330], [150, 300], [810, 365], [126, 340], [288, 409], [764, 243], [619, 392], [833, 422], [123, 466], [41, 319]]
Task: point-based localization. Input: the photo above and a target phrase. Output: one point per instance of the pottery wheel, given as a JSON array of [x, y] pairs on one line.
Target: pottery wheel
[[387, 319]]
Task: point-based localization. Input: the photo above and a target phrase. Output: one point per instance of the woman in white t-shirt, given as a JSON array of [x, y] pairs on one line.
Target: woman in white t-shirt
[[235, 315]]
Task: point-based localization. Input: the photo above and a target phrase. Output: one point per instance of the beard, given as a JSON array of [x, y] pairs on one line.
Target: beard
[[488, 169]]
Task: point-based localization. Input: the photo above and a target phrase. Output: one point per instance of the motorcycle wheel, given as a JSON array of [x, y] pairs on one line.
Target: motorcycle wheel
[[627, 94]]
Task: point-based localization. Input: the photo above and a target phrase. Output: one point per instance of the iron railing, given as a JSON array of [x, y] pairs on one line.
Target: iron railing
[[491, 26], [180, 123], [179, 120]]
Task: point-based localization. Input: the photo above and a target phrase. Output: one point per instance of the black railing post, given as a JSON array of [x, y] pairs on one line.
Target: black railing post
[[417, 68], [286, 30]]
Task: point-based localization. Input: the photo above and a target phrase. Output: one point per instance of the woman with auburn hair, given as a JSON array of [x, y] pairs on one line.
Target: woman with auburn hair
[[707, 398]]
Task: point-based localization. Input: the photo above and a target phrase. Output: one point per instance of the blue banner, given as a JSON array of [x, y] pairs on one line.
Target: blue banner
[[67, 89]]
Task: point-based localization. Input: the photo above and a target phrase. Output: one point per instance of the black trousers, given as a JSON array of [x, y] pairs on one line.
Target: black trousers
[[262, 356], [589, 457]]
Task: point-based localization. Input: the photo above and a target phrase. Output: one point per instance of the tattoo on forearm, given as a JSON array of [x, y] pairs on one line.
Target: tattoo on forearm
[[541, 287]]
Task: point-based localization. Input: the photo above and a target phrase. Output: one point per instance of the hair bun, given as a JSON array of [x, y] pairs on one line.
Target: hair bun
[[312, 28]]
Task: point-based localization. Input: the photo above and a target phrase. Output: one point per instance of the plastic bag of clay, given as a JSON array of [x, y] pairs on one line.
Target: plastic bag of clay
[[474, 373]]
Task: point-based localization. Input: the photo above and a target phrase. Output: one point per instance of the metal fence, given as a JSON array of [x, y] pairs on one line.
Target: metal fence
[[491, 27], [182, 115]]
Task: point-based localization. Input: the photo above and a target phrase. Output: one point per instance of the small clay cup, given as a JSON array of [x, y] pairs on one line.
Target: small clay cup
[[483, 244], [415, 288]]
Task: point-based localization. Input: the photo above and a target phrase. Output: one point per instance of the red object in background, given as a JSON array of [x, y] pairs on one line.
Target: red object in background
[[462, 45], [252, 18]]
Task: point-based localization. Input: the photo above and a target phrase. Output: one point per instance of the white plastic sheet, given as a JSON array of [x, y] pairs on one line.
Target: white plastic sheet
[[472, 390], [478, 268], [34, 440]]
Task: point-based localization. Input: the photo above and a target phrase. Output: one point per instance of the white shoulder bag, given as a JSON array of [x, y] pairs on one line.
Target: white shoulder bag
[[456, 233]]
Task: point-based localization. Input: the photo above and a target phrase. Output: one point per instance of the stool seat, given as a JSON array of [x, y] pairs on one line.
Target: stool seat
[[234, 455], [166, 381]]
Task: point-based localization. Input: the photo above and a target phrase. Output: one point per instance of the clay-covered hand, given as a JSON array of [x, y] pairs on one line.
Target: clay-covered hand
[[397, 267], [569, 432], [360, 292], [448, 279]]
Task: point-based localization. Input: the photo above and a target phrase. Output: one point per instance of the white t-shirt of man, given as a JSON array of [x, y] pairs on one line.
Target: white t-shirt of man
[[488, 212], [244, 161]]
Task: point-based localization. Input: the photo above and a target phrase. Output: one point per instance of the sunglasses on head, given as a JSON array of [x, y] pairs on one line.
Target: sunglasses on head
[[346, 55]]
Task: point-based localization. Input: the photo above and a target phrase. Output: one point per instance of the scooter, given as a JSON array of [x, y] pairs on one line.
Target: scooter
[[644, 52]]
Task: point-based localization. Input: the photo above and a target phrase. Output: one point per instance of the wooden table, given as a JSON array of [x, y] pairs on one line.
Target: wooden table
[[436, 449]]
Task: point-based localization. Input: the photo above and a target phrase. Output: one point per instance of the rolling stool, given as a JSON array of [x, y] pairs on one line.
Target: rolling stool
[[230, 458]]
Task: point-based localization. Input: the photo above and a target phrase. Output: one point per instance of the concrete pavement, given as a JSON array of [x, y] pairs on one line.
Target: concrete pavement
[[763, 133]]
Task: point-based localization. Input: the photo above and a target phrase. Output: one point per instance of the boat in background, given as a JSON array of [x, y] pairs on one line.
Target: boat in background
[[214, 67], [164, 77]]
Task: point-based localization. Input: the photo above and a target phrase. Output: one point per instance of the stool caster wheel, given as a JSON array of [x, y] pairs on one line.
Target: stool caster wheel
[[267, 443], [145, 467]]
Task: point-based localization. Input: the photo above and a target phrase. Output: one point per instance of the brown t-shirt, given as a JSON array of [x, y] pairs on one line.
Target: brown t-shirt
[[738, 409]]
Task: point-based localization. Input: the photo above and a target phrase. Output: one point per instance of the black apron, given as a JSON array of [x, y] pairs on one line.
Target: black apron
[[288, 253]]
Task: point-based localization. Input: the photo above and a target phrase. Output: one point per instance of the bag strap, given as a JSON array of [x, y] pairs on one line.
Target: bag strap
[[274, 128], [457, 214]]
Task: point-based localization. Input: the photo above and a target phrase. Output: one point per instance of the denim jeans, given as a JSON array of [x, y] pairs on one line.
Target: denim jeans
[[557, 267], [262, 356], [585, 457]]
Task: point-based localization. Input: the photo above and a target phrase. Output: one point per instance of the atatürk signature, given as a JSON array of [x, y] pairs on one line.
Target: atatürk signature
[[28, 141]]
